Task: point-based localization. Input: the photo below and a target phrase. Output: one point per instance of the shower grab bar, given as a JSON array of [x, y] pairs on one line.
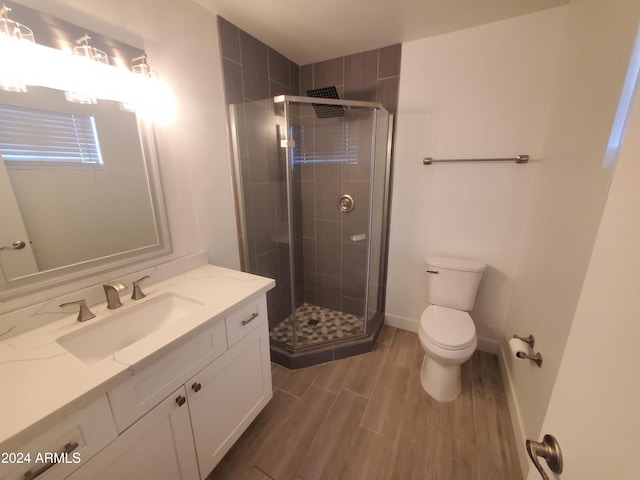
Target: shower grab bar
[[517, 159]]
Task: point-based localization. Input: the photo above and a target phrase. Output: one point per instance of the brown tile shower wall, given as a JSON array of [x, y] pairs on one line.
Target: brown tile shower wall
[[372, 76], [252, 72], [335, 266]]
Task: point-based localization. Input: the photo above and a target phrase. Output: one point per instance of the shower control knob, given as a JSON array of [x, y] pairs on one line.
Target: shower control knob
[[346, 203]]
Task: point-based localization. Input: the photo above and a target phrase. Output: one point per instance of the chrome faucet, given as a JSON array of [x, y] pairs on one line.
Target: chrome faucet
[[111, 290]]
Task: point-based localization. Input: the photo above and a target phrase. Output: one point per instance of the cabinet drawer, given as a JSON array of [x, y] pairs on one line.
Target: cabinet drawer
[[147, 388], [245, 319], [82, 434]]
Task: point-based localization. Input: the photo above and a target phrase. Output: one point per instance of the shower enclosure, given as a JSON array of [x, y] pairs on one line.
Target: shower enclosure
[[312, 184]]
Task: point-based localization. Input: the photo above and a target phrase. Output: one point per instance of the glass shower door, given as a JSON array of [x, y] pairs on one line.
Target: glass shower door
[[260, 175], [311, 193], [330, 171]]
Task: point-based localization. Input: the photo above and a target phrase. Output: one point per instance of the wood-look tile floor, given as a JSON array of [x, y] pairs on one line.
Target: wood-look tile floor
[[367, 417]]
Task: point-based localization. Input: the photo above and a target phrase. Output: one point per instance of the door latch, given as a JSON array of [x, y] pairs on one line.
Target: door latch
[[549, 449]]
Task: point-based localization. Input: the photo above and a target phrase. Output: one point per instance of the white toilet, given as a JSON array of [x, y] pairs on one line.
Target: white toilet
[[447, 333]]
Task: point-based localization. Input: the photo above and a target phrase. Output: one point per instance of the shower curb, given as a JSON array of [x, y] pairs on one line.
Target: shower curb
[[316, 355]]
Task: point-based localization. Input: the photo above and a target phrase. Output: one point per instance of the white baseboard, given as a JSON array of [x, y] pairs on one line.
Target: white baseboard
[[401, 323], [489, 346], [514, 410]]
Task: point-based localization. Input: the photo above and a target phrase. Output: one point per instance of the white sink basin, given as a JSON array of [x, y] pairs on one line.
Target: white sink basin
[[105, 337]]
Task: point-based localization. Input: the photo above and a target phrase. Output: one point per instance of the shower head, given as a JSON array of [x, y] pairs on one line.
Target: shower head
[[326, 111]]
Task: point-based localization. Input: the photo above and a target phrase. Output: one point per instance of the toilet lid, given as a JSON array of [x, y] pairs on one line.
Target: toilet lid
[[448, 328]]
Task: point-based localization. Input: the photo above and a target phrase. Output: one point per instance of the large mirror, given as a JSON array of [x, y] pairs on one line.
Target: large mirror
[[79, 184]]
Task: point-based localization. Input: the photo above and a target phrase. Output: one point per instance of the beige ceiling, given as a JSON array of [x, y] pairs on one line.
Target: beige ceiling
[[308, 31]]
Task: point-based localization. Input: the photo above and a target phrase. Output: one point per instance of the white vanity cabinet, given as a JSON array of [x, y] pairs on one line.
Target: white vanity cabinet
[[178, 416]]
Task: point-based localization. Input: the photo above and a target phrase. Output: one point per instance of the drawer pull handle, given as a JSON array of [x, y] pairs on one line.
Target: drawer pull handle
[[196, 387], [250, 319], [181, 400], [68, 448]]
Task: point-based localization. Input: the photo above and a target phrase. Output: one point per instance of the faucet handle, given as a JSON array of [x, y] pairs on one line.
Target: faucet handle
[[84, 314], [137, 290]]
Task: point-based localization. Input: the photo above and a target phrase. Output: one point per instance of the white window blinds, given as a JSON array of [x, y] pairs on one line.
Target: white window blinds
[[329, 141], [29, 135]]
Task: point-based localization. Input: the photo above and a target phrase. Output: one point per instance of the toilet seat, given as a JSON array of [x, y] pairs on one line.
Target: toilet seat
[[448, 328]]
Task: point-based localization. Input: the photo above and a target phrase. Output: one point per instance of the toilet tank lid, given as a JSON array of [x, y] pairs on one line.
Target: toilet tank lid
[[453, 263]]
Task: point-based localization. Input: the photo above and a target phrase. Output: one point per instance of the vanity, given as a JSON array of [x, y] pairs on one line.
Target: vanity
[[159, 388]]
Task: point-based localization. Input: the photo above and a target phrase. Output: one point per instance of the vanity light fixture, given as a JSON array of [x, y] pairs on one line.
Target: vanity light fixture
[[153, 100], [91, 54], [139, 67], [85, 75], [15, 35]]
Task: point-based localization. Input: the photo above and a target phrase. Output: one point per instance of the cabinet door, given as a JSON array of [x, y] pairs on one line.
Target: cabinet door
[[226, 396], [159, 446]]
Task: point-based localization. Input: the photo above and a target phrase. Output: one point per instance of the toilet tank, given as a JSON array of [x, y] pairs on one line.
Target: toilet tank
[[453, 282]]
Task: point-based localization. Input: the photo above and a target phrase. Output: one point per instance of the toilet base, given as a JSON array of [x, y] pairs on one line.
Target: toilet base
[[442, 382]]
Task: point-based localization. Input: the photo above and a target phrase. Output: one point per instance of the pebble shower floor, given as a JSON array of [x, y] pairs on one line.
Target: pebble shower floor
[[317, 325]]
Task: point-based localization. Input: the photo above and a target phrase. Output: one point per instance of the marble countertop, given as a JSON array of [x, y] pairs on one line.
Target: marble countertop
[[41, 381]]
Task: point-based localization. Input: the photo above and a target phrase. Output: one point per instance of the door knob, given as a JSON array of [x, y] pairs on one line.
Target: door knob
[[547, 449], [17, 245]]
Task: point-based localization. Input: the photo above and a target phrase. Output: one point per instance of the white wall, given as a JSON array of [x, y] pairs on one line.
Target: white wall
[[569, 194], [479, 92]]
